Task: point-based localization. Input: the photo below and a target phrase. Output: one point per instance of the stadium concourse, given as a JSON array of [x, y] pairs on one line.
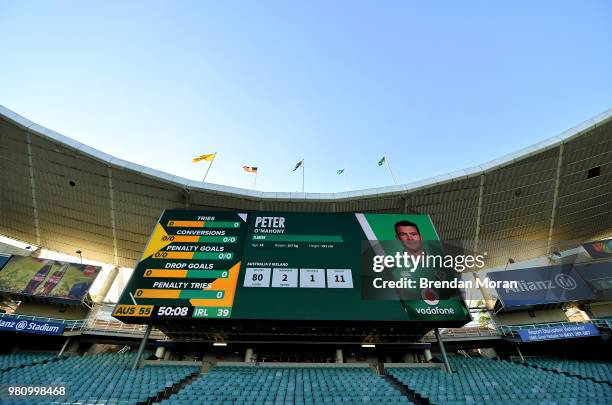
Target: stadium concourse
[[78, 333]]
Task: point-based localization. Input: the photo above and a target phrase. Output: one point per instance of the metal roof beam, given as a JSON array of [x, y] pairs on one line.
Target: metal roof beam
[[553, 211], [33, 189]]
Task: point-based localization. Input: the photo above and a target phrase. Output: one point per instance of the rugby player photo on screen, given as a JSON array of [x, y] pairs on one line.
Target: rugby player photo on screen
[[408, 232]]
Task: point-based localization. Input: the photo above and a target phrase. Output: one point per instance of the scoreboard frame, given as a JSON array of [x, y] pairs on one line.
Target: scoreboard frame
[[145, 305]]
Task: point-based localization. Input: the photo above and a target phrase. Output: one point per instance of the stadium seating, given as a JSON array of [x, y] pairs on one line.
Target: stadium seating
[[97, 379], [288, 386], [106, 379], [22, 359], [483, 381], [597, 370]]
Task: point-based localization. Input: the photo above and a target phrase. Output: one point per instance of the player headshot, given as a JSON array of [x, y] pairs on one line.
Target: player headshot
[[408, 232]]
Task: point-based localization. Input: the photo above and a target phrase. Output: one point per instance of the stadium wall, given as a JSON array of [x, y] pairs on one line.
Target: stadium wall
[[601, 309], [70, 312], [523, 317]]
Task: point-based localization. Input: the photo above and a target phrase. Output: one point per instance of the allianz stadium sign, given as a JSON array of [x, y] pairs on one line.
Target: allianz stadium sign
[[541, 285], [11, 324]]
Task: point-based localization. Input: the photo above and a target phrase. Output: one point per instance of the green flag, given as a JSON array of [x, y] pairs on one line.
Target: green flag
[[340, 171], [381, 161]]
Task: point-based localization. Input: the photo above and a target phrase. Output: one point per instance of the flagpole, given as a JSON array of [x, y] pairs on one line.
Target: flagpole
[[389, 167], [303, 170], [345, 183], [209, 166], [255, 182]]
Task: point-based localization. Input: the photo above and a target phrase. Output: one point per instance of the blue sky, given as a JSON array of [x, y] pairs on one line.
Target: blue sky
[[434, 86]]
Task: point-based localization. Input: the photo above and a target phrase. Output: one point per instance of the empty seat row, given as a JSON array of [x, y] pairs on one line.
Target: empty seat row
[[484, 381], [97, 379], [598, 370], [22, 359], [288, 386]]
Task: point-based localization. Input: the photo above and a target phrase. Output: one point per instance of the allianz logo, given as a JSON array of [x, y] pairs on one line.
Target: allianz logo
[[562, 281]]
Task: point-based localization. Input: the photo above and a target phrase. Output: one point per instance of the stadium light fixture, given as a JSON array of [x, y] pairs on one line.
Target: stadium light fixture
[[368, 345], [220, 344]]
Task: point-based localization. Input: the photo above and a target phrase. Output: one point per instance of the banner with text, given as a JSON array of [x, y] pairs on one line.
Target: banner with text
[[541, 285], [567, 331], [8, 323]]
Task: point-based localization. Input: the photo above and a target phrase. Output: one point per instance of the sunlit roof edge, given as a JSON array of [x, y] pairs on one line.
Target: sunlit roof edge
[[193, 185]]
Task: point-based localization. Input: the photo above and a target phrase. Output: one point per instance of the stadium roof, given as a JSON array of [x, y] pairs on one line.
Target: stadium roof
[[65, 196]]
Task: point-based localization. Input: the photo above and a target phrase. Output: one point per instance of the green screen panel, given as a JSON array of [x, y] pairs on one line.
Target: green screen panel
[[268, 266]]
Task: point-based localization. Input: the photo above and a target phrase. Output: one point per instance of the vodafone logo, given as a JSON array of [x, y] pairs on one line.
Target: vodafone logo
[[430, 296]]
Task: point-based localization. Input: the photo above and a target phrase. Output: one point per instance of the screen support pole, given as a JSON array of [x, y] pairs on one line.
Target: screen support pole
[[442, 350], [520, 354], [141, 348], [64, 347]]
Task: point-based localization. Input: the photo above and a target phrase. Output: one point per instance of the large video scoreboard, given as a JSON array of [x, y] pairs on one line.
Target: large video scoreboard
[[203, 265]]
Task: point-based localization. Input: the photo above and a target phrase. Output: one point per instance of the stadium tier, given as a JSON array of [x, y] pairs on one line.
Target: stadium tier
[[96, 379], [106, 379], [288, 386], [597, 370], [361, 297], [9, 361], [484, 381]]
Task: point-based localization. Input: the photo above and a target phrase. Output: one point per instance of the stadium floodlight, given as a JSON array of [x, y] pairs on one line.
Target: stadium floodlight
[[368, 345], [220, 344]]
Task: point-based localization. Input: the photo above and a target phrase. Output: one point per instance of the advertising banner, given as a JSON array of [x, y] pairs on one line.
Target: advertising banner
[[30, 326], [558, 332], [599, 277], [599, 249], [541, 285]]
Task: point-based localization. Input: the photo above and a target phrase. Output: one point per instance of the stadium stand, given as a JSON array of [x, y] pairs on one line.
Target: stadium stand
[[9, 361], [115, 383], [597, 370], [66, 197], [288, 386], [479, 380]]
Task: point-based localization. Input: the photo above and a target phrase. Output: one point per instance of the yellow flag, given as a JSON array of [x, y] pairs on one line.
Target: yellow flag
[[210, 157]]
